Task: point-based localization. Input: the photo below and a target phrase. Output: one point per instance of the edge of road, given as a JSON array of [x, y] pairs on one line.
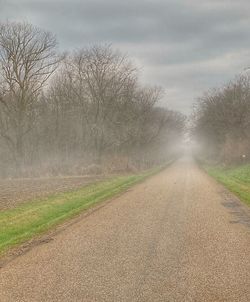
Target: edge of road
[[238, 209], [48, 235]]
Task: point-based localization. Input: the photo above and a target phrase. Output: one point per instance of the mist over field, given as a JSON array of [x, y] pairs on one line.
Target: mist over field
[[94, 96], [124, 150]]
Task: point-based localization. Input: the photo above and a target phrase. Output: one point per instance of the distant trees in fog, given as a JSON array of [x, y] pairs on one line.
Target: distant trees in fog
[[60, 114], [222, 122]]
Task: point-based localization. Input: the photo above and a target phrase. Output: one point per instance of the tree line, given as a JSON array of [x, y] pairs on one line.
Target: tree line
[[70, 113], [221, 122]]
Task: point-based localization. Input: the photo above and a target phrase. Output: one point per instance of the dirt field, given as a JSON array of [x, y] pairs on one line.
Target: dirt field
[[17, 191]]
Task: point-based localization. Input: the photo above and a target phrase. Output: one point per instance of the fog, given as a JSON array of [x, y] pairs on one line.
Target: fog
[[220, 126], [89, 111], [77, 113], [124, 150]]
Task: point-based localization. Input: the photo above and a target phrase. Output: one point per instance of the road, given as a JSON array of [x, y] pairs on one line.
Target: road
[[178, 236]]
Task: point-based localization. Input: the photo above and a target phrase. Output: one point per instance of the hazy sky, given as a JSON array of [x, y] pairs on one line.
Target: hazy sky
[[187, 46]]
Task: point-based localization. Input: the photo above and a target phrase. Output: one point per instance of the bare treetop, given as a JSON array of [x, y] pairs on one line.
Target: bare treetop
[[28, 56]]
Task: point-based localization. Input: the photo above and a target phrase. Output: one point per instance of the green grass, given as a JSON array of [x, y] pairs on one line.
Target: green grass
[[33, 218], [236, 179]]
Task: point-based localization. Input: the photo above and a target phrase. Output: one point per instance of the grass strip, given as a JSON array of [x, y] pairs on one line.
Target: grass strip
[[36, 217], [236, 179]]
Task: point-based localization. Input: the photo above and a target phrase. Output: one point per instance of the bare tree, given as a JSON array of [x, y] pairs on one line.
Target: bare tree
[[103, 77], [27, 59]]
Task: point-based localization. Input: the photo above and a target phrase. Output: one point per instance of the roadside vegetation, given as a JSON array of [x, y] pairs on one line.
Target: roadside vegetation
[[221, 123], [24, 222], [236, 179], [221, 128]]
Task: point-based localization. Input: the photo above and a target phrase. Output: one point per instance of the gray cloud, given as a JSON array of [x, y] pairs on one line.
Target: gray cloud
[[186, 46]]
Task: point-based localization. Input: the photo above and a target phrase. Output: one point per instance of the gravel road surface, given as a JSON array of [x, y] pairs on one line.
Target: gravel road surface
[[178, 236]]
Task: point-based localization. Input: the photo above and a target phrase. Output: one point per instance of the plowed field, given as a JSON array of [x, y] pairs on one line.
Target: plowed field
[[17, 191]]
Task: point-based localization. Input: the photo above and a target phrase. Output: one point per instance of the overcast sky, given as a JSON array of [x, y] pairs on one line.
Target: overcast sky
[[186, 46]]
